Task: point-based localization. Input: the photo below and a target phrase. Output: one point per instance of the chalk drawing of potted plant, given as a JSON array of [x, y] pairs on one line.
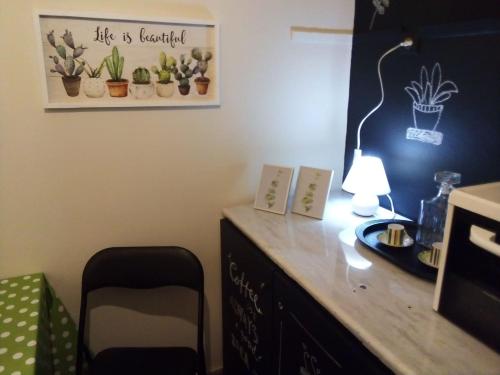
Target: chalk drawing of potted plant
[[202, 82], [94, 86], [380, 7], [164, 85], [271, 191], [68, 68], [117, 86], [310, 363], [428, 97]]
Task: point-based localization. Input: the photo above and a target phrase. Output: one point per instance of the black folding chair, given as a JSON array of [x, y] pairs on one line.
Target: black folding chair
[[143, 268]]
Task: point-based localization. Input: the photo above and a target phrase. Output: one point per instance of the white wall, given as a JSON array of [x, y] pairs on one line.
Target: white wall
[[73, 182]]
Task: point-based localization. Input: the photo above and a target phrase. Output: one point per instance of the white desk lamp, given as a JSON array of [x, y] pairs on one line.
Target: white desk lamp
[[366, 178]]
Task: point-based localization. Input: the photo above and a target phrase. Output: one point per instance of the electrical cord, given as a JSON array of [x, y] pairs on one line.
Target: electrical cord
[[392, 205], [408, 42]]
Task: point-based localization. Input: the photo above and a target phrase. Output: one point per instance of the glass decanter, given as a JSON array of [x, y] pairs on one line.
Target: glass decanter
[[433, 211]]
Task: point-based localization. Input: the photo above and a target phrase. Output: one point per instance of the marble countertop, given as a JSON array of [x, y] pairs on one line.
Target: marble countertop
[[387, 309]]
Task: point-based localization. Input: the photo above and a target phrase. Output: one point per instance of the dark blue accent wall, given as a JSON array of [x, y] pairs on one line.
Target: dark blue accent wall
[[464, 38]]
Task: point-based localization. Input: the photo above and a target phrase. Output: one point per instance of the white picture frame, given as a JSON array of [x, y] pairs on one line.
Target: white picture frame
[[273, 190], [139, 40], [311, 193]]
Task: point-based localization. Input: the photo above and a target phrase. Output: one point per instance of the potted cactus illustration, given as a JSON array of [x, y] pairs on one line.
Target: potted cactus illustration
[[66, 62], [271, 191], [117, 86], [201, 68], [428, 97], [141, 87], [94, 86], [308, 198], [164, 85], [183, 74]]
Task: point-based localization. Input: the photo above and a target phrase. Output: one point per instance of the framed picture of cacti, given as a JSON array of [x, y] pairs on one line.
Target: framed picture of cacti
[[311, 193], [91, 60], [274, 186]]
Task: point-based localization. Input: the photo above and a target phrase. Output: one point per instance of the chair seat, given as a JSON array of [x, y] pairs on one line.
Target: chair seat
[[145, 361]]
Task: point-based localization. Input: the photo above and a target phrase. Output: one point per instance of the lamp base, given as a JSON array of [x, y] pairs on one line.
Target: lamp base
[[365, 204]]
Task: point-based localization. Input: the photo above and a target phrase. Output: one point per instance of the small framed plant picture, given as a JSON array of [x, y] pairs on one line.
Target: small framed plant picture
[[311, 194], [272, 194]]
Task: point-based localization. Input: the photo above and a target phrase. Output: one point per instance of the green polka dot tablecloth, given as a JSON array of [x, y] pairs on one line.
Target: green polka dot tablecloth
[[37, 335]]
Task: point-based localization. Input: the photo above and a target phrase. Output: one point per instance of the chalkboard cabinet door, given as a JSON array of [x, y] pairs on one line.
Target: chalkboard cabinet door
[[309, 341], [247, 305], [271, 326]]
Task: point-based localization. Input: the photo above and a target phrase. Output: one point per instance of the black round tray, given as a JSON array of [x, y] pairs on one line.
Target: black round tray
[[403, 257]]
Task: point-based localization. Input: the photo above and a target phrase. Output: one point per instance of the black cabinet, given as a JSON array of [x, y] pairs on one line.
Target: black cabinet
[[247, 305], [310, 341], [271, 326], [305, 346]]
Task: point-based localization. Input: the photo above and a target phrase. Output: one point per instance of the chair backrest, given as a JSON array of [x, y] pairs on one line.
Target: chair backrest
[[142, 268]]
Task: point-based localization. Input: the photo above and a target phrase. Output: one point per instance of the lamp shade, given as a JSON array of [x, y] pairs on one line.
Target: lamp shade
[[367, 175]]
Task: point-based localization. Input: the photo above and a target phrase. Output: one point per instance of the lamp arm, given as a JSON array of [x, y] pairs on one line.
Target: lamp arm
[[403, 44]]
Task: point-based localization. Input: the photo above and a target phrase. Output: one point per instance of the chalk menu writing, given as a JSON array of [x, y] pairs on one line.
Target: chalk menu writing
[[247, 311]]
